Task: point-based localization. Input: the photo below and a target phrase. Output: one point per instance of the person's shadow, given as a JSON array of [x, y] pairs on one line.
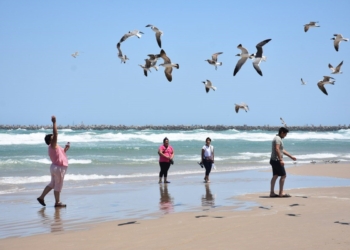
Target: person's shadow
[[166, 203], [55, 223], [208, 199]]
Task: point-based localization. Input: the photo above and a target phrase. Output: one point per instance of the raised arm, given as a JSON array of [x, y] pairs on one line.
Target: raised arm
[[54, 132]]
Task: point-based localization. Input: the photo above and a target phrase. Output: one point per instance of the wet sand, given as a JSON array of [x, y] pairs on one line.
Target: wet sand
[[313, 218]]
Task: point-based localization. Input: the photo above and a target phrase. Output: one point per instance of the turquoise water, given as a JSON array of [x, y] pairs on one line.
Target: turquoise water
[[109, 156]]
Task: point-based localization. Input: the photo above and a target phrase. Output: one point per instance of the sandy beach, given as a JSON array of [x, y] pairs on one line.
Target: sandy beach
[[313, 218]]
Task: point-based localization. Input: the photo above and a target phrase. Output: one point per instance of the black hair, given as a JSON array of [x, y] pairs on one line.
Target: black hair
[[208, 138], [283, 129], [166, 138], [48, 139]]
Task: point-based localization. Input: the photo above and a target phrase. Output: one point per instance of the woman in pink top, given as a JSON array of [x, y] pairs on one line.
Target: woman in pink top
[[58, 167], [166, 155]]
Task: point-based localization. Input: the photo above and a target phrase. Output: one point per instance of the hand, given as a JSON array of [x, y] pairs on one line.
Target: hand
[[53, 119], [293, 158], [282, 163]]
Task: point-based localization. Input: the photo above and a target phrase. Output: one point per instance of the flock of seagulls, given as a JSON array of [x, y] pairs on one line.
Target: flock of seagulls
[[257, 58], [327, 79]]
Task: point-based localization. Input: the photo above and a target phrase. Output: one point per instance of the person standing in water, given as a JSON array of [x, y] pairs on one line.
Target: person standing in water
[[207, 158], [58, 167], [166, 155], [277, 162]]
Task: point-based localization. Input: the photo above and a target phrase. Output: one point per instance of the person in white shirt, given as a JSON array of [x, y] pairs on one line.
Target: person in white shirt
[[207, 158]]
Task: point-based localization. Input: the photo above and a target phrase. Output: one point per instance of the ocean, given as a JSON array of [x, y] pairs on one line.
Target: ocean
[[104, 157]]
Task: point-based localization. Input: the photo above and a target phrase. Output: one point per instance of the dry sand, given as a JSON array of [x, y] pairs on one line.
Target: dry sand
[[314, 218]]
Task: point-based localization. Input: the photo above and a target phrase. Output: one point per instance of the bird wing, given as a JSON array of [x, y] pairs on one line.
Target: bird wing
[[207, 89], [259, 47], [339, 66], [331, 67], [256, 63], [145, 71], [237, 108], [158, 34], [164, 56], [167, 72], [320, 85], [244, 50], [336, 44], [208, 84], [215, 56], [120, 52], [327, 78], [126, 36], [239, 65]]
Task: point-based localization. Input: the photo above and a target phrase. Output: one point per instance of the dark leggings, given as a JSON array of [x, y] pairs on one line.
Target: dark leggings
[[207, 165], [164, 167]]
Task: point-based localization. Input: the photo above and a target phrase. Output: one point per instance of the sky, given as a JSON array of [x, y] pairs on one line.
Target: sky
[[40, 78]]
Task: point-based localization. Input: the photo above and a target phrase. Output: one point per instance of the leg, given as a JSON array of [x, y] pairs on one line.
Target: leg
[[273, 182], [207, 165], [57, 197], [161, 173], [283, 178], [41, 198], [166, 169]]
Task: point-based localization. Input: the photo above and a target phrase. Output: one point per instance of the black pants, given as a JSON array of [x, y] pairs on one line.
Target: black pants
[[164, 167], [207, 164]]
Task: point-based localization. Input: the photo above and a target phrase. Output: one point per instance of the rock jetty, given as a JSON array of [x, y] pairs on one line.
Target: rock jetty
[[319, 128]]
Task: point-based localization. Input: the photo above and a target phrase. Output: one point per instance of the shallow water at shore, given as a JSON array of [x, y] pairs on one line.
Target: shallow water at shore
[[22, 215]]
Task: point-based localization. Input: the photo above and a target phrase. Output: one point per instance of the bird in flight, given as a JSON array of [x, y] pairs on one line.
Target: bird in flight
[[208, 85], [241, 106], [310, 25], [158, 34], [168, 65], [259, 55], [214, 60], [122, 57], [337, 39], [337, 69], [321, 83]]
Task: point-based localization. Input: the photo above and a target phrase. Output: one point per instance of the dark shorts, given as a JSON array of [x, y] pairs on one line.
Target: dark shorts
[[277, 169]]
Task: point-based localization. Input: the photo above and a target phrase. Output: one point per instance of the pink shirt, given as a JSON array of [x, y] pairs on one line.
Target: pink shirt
[[166, 151], [58, 156]]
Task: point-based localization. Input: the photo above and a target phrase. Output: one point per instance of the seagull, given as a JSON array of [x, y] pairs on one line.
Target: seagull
[[208, 86], [130, 34], [241, 106], [302, 82], [168, 65], [321, 83], [258, 56], [244, 56], [284, 124], [310, 25], [146, 67], [214, 60], [337, 69], [337, 39], [122, 57], [158, 34], [75, 54]]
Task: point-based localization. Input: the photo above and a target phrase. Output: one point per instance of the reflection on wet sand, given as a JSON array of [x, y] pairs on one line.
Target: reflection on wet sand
[[55, 223], [208, 197], [166, 203]]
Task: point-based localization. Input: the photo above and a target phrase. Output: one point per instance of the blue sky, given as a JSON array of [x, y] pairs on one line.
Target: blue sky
[[39, 78]]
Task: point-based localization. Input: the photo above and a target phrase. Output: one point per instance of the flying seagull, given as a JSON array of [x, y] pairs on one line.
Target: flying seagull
[[130, 34], [75, 54], [337, 69], [310, 25], [146, 67], [208, 85], [258, 56], [284, 124], [337, 39], [158, 34], [122, 57], [168, 65], [214, 60], [244, 56], [321, 83], [302, 82], [241, 106]]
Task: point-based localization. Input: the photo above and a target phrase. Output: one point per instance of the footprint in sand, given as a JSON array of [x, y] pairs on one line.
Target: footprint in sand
[[199, 216], [342, 223], [267, 208], [294, 205], [128, 223], [295, 215], [218, 217]]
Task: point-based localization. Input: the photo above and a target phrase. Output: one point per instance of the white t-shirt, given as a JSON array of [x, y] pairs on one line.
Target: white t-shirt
[[208, 151]]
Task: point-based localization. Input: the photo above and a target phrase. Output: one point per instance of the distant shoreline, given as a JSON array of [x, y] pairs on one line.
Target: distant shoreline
[[319, 128]]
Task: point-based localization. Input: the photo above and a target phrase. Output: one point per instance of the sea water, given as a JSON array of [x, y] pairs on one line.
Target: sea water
[[104, 157]]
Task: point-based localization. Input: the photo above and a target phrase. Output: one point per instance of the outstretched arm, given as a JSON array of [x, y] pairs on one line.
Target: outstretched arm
[[289, 155], [54, 132]]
